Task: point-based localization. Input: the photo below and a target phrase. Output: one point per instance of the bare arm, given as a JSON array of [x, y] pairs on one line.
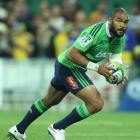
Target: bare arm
[[77, 57]]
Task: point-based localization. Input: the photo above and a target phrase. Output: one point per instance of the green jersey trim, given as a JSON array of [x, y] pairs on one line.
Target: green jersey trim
[[96, 29], [80, 78]]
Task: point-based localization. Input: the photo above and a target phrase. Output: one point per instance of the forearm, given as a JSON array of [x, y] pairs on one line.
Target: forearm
[[77, 57]]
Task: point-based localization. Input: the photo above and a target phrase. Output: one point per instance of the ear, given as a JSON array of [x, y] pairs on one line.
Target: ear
[[110, 19]]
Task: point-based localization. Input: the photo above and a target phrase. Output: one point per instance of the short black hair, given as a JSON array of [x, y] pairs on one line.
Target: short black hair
[[119, 10]]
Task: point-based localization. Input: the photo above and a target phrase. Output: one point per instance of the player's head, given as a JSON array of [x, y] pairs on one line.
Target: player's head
[[118, 22]]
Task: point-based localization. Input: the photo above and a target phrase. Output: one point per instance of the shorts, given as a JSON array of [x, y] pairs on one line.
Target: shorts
[[70, 80]]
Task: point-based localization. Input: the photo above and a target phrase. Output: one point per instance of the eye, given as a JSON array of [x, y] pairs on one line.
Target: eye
[[126, 21], [119, 20]]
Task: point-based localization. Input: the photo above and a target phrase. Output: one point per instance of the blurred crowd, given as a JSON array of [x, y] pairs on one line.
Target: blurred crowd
[[54, 28]]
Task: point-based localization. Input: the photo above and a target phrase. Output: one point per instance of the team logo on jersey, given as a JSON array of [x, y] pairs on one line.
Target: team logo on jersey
[[85, 40], [72, 82], [103, 54]]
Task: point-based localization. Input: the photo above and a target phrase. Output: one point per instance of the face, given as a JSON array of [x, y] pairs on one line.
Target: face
[[118, 24]]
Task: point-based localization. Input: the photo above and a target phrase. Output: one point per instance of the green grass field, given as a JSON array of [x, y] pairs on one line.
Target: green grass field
[[103, 126]]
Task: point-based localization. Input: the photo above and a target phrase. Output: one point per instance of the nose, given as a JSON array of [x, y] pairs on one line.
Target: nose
[[123, 25]]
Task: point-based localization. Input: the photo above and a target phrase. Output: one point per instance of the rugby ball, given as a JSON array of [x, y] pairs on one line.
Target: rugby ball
[[117, 73]]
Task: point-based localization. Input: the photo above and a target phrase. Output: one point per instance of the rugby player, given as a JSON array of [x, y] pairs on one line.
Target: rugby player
[[95, 43]]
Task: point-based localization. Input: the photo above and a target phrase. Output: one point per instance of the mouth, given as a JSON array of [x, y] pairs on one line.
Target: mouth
[[121, 31]]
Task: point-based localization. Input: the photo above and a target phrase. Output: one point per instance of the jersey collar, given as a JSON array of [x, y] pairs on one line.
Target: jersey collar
[[107, 29]]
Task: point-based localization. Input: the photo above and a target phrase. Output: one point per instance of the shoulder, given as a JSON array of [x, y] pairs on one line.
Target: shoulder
[[94, 29], [95, 26]]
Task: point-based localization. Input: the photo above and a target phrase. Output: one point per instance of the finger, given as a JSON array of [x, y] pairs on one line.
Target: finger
[[110, 67], [107, 75], [126, 78], [123, 82], [110, 72], [120, 84]]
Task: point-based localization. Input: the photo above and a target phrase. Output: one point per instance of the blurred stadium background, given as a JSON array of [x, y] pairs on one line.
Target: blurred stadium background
[[34, 32]]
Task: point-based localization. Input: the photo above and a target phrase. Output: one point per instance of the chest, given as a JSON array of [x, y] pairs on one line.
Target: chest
[[101, 49]]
